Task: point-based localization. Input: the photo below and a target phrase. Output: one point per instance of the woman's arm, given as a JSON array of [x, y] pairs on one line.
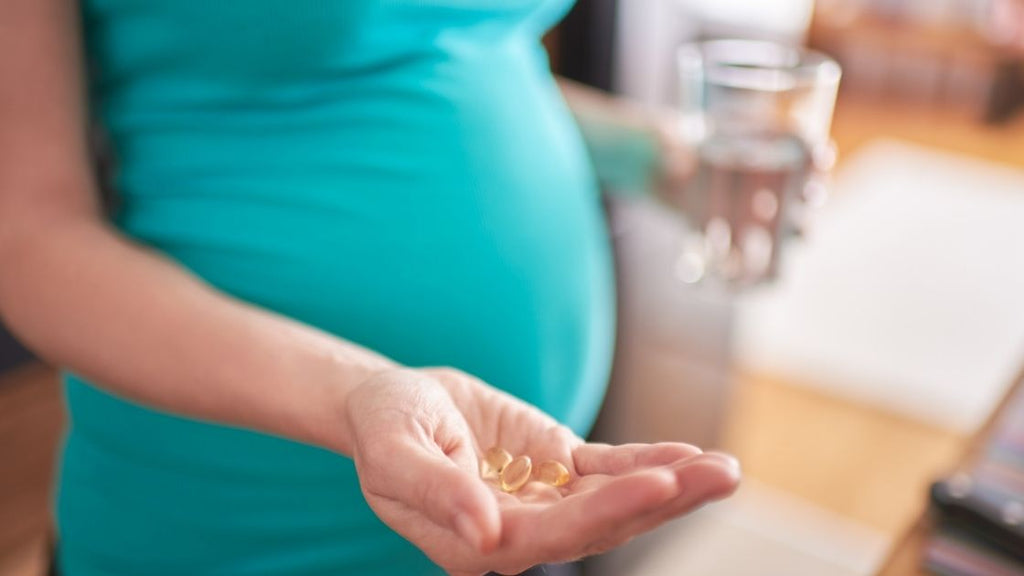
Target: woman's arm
[[634, 149], [82, 296]]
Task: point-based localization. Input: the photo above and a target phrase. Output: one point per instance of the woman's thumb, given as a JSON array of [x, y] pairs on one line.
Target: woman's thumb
[[449, 495]]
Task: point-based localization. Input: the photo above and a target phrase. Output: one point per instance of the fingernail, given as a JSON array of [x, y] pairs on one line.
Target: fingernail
[[729, 460], [730, 482], [709, 461], [468, 531]]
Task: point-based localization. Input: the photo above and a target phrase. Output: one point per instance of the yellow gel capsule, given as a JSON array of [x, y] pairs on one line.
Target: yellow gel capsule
[[493, 462], [516, 474], [552, 473]]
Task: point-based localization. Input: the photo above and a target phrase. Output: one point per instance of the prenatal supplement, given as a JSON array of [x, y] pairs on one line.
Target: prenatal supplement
[[516, 474], [552, 473], [494, 461]]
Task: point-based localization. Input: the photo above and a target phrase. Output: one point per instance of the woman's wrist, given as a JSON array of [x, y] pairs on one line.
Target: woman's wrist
[[625, 158], [340, 373]]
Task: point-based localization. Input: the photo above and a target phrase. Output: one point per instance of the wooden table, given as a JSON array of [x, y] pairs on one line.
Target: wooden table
[[906, 556]]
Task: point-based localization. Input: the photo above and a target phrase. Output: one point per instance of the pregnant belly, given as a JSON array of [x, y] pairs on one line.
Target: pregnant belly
[[459, 226], [454, 225], [513, 287]]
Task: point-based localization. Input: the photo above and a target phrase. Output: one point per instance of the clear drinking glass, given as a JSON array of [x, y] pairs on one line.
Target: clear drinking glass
[[759, 115]]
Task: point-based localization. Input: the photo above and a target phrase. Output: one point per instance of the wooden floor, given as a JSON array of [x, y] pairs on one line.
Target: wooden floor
[[859, 461], [859, 121], [31, 420]]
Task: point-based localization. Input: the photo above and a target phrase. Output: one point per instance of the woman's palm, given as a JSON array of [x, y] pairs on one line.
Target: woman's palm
[[418, 464]]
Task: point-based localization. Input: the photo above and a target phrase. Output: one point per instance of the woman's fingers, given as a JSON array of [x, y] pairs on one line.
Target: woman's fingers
[[625, 458], [701, 480], [708, 477], [568, 528], [610, 510], [449, 496]]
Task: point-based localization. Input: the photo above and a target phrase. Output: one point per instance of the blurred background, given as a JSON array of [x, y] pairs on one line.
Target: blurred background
[[875, 361]]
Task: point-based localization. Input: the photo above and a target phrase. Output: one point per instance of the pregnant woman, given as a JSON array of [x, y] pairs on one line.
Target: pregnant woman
[[355, 244]]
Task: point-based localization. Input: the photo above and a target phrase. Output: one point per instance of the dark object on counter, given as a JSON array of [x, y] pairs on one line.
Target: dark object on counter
[[956, 551], [993, 518], [981, 508]]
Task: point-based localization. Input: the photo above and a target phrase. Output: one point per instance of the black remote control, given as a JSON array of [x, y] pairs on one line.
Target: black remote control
[[995, 516]]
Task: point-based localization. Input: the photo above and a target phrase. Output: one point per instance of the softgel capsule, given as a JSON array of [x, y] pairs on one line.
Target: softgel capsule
[[494, 461], [516, 474], [552, 473], [512, 473]]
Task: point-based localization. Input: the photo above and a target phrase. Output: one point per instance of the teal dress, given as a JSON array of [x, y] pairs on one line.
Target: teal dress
[[401, 173]]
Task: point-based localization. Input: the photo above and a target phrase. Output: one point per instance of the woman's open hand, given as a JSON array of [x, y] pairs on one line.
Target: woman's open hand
[[418, 435]]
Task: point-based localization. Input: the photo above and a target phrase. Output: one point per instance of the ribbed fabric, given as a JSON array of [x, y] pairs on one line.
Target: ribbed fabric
[[400, 173]]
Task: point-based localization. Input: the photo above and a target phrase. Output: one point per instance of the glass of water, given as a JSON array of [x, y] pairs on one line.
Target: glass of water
[[758, 115]]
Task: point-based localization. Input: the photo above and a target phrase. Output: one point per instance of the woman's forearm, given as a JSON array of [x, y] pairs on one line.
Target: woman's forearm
[[591, 105], [620, 136], [145, 329], [633, 148]]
